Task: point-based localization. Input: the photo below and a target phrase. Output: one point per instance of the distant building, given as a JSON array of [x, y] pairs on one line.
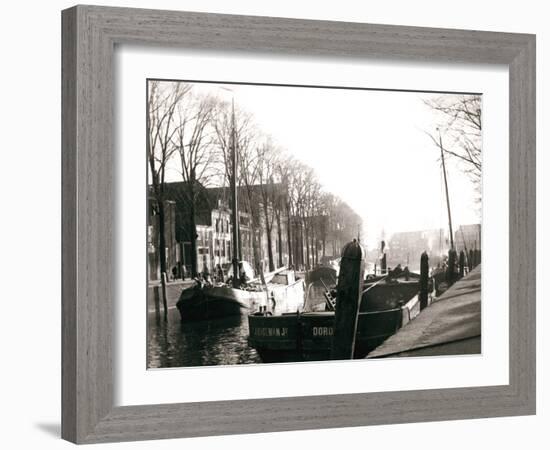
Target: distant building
[[468, 237], [300, 241], [406, 247], [214, 242]]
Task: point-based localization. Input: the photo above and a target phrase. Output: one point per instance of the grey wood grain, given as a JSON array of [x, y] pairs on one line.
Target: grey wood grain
[[89, 36], [68, 226]]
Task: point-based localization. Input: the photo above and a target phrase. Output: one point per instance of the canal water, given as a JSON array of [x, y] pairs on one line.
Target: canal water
[[203, 343]]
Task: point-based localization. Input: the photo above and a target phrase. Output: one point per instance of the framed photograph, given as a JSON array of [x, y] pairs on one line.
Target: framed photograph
[[277, 224]]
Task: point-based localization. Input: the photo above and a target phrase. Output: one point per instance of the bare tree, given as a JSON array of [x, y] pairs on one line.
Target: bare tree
[[163, 99], [266, 163], [249, 168], [325, 210], [302, 190], [284, 170], [311, 212], [460, 126], [227, 118], [194, 141], [296, 187]]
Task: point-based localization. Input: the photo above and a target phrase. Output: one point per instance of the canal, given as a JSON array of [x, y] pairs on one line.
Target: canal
[[202, 343]]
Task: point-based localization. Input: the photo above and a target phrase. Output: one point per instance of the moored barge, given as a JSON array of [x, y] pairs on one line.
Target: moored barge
[[386, 306]]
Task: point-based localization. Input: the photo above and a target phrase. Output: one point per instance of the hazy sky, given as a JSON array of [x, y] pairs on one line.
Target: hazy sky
[[368, 147]]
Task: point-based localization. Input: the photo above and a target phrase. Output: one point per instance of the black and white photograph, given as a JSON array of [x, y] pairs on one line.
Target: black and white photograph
[[311, 223], [267, 225]]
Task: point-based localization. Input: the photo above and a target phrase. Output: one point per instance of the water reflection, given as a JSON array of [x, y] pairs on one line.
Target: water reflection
[[202, 343], [206, 342]]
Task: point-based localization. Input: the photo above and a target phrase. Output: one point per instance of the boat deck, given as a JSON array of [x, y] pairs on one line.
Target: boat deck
[[450, 326]]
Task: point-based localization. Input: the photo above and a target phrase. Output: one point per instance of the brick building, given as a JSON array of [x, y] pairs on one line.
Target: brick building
[[214, 230]]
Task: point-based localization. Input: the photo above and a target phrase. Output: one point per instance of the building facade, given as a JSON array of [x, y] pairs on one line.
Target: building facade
[[214, 232], [406, 247], [468, 237], [268, 237]]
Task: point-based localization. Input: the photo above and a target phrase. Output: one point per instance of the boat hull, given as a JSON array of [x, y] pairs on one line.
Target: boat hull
[[308, 336], [212, 302], [387, 295]]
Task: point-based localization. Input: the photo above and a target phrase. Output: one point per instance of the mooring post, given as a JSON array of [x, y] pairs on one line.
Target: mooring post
[[180, 260], [156, 299], [451, 273], [348, 299], [383, 265], [163, 287], [461, 263], [424, 269]]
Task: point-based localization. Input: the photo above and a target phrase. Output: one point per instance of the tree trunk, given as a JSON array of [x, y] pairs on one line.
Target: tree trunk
[[255, 254], [257, 244], [301, 244], [280, 240], [312, 242], [270, 250], [311, 249], [268, 227], [193, 235], [289, 238], [307, 247], [162, 256], [316, 251], [162, 238]]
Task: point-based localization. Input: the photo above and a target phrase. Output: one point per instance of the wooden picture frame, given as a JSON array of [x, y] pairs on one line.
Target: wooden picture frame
[[90, 34]]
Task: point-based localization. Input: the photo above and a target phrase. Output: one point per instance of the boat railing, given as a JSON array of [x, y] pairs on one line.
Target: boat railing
[[375, 284]]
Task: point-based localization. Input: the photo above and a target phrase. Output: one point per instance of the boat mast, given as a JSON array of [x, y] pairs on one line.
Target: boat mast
[[446, 190], [234, 200]]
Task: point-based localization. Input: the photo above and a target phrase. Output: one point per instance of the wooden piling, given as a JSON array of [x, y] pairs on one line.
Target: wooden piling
[[383, 260], [451, 267], [349, 292], [424, 275], [156, 299], [163, 287], [180, 260]]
